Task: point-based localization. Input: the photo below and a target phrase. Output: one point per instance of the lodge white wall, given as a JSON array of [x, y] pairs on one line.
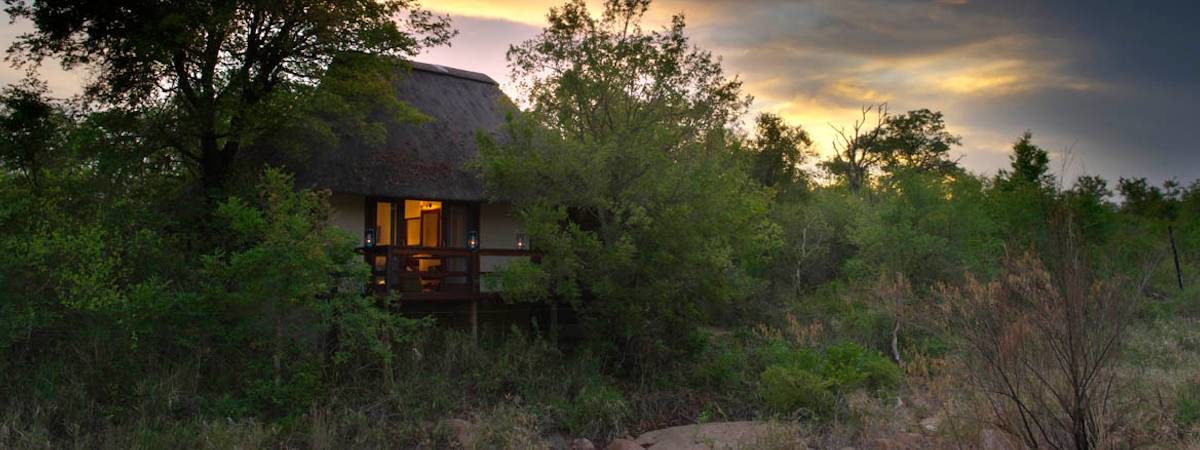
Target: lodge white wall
[[349, 213], [497, 230], [497, 226]]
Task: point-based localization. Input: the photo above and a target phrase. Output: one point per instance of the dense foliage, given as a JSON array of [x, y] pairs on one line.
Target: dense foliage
[[224, 72], [716, 277], [623, 171]]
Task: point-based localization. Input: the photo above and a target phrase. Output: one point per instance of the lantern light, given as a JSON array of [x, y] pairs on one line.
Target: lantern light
[[473, 240], [369, 238], [522, 241]]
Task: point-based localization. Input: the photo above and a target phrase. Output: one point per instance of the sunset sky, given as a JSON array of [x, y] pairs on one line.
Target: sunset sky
[[1112, 83]]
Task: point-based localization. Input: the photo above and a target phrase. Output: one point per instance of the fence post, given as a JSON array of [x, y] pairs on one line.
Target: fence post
[[1175, 252]]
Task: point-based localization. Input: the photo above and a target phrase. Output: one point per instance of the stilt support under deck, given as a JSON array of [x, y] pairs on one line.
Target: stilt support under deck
[[475, 321]]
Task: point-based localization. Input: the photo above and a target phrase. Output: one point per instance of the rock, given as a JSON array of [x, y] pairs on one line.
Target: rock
[[990, 439], [582, 444], [931, 423], [721, 435], [557, 442], [462, 431], [902, 441], [623, 444]]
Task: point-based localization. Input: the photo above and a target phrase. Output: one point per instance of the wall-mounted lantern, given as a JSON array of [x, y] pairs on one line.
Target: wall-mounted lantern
[[473, 240], [522, 241], [369, 238]]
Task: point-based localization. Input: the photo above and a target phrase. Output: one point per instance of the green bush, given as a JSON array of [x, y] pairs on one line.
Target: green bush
[[850, 366], [811, 382], [598, 409], [721, 366], [792, 389], [1187, 405]]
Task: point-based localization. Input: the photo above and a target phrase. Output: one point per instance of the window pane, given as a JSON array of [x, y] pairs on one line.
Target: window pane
[[383, 222], [422, 223], [412, 232], [430, 221]]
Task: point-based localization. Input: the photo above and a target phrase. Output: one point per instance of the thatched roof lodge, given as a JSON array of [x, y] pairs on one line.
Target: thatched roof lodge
[[423, 160], [425, 226]]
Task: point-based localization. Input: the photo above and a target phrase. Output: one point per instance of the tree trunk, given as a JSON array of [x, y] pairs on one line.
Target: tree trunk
[[216, 163], [895, 342]]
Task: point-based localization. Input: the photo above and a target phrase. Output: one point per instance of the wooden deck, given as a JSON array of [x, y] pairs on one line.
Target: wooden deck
[[445, 281], [435, 274]]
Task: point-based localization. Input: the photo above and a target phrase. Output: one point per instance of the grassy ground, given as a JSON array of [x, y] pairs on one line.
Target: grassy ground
[[521, 392]]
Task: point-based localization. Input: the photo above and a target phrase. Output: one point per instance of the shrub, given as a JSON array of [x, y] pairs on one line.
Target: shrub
[[720, 366], [597, 410], [792, 379], [1030, 334], [507, 426], [850, 366], [1187, 405], [792, 389]]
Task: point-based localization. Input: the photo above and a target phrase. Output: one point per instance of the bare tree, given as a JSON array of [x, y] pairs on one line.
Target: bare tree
[[853, 156]]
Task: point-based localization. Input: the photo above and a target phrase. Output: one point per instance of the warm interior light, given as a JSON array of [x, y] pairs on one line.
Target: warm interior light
[[383, 223], [422, 219], [522, 241]]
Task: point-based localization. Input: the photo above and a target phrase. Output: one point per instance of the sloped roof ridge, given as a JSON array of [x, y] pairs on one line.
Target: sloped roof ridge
[[453, 72]]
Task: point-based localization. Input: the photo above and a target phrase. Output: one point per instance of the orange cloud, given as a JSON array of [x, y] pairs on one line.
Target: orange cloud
[[533, 12]]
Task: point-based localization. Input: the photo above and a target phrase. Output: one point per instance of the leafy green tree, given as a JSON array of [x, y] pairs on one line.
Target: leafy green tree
[[227, 69], [1092, 187], [1030, 165], [31, 130], [779, 151], [1091, 209], [1024, 197], [913, 141], [286, 273], [917, 141], [1140, 198], [625, 175], [926, 226]]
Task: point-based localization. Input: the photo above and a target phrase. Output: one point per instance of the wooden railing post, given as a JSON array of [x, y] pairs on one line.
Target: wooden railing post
[[390, 267]]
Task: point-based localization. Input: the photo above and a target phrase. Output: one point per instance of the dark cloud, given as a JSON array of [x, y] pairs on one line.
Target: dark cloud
[[1114, 80]]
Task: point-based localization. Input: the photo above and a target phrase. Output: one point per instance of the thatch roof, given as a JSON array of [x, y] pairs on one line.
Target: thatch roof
[[421, 160]]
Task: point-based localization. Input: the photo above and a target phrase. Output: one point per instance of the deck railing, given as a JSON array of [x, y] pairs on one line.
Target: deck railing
[[431, 273]]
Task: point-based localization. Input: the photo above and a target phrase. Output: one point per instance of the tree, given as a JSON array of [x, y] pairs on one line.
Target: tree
[[928, 227], [31, 130], [1143, 199], [913, 141], [1024, 196], [778, 151], [1030, 165], [1092, 187], [624, 173], [223, 66], [917, 141], [854, 156], [1089, 206]]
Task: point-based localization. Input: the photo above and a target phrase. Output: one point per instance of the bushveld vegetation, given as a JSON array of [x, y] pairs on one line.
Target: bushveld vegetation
[[158, 294]]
